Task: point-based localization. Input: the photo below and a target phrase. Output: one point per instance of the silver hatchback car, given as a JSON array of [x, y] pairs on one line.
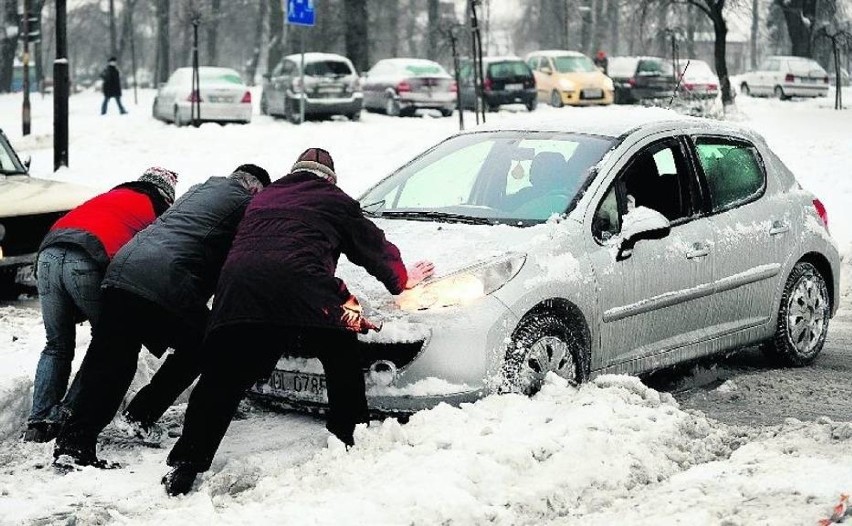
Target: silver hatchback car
[[583, 246]]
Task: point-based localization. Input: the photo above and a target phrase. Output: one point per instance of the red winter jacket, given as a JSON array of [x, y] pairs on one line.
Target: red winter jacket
[[103, 224]]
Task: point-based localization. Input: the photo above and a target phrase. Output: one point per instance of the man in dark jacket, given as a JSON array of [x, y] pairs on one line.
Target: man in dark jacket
[[111, 86], [70, 267], [155, 294], [278, 285]]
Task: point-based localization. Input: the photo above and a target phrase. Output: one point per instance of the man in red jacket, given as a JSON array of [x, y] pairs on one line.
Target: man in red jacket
[[278, 284], [70, 266]]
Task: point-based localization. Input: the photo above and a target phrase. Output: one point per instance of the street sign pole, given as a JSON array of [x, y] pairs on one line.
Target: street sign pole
[[301, 13], [60, 89], [302, 79], [25, 110]]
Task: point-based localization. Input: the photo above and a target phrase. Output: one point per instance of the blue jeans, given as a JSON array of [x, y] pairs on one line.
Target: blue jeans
[[117, 100], [69, 287]]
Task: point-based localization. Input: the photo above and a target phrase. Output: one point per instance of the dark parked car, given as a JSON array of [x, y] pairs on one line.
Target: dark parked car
[[401, 86], [28, 208], [508, 80], [639, 79], [331, 87]]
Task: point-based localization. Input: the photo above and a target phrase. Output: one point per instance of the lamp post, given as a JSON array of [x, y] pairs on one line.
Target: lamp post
[[195, 99], [60, 89]]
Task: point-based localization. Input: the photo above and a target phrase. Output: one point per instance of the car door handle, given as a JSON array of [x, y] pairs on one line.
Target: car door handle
[[699, 250], [779, 227]]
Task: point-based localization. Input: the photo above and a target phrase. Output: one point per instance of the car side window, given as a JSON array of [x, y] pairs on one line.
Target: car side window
[[733, 171], [658, 178]]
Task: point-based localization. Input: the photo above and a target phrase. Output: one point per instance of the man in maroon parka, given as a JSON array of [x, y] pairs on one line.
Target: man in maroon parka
[[278, 288]]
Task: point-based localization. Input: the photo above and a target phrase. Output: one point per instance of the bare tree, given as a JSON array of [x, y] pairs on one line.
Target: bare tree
[[357, 34], [433, 31], [799, 16], [276, 34], [212, 24], [8, 44], [163, 66], [260, 22]]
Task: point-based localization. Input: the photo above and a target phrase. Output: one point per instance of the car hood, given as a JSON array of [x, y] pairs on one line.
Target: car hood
[[25, 195], [586, 78], [449, 246]]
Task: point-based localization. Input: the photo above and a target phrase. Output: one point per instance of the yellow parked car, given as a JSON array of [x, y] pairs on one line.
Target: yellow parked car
[[569, 77]]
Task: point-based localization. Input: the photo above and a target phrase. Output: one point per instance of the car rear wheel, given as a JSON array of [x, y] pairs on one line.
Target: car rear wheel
[[779, 93], [543, 342], [745, 90], [555, 99], [293, 111], [447, 113], [531, 104], [354, 116], [802, 317]]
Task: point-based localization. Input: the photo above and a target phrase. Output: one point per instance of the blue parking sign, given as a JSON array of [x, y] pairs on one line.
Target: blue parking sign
[[300, 12]]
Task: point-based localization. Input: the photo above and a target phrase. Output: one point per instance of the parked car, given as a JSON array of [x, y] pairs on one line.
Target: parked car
[[331, 88], [569, 77], [28, 208], [401, 86], [679, 238], [639, 79], [223, 97], [507, 80], [697, 80], [785, 77]]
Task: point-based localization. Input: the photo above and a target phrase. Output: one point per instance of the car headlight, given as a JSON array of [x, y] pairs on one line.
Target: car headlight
[[463, 286], [608, 85], [566, 84]]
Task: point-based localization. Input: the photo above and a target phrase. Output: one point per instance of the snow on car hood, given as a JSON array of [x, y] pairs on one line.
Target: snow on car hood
[[25, 195], [449, 246]]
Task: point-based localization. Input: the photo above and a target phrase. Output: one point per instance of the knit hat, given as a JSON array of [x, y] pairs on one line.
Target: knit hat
[[255, 171], [164, 180], [318, 162]]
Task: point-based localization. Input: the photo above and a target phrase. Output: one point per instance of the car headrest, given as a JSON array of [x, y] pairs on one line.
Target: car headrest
[[548, 170]]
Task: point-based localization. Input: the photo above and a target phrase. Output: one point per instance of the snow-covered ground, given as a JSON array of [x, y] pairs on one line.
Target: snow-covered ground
[[611, 451]]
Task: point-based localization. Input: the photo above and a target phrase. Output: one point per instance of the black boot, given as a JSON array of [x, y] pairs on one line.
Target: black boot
[[41, 431], [68, 456], [179, 480]]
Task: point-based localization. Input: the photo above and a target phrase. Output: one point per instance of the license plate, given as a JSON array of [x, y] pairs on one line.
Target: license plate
[[25, 276], [514, 87], [299, 385], [214, 98], [592, 93], [329, 89], [808, 80]]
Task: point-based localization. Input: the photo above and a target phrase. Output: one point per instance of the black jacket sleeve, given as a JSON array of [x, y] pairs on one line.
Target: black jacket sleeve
[[365, 244]]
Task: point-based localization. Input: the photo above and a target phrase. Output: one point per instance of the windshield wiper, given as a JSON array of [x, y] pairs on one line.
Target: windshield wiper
[[426, 215]]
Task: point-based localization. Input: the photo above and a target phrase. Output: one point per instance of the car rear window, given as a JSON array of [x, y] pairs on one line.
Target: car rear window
[[805, 67], [424, 70], [733, 171], [504, 70], [573, 64], [622, 67], [327, 67], [223, 77], [654, 67]]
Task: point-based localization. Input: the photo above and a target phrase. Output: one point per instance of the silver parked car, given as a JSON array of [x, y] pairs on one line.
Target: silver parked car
[[222, 97], [331, 87], [401, 86], [785, 77], [583, 246]]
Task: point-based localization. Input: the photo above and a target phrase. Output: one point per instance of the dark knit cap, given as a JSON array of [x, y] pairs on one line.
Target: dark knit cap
[[164, 180], [318, 162], [256, 171]]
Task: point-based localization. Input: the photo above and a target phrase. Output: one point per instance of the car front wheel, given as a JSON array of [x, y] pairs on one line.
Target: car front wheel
[[745, 90], [802, 317], [779, 93], [392, 107], [555, 99], [542, 343]]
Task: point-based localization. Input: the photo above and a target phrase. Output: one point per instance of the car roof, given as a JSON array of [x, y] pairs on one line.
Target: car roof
[[505, 58], [556, 53], [314, 56], [405, 60], [605, 123], [209, 68]]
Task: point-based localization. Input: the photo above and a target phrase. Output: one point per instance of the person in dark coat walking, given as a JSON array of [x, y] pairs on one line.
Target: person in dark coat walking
[[278, 285], [111, 86], [70, 266], [155, 294]]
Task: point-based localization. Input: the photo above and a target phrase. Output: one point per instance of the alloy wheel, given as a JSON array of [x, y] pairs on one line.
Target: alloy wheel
[[806, 312], [547, 354]]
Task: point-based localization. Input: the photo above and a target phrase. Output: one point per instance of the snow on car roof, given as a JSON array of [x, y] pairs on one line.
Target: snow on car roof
[[314, 56], [611, 122], [557, 53]]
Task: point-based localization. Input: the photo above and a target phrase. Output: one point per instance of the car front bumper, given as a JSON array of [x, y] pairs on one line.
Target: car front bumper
[[459, 361], [583, 97], [331, 106]]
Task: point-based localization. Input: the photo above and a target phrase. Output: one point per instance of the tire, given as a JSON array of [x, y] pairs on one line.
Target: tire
[[802, 318], [176, 118], [292, 111], [532, 104], [745, 90], [354, 117], [9, 290], [779, 93], [543, 342], [264, 105], [447, 113], [392, 108], [555, 99]]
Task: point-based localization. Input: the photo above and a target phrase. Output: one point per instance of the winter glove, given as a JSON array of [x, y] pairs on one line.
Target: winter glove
[[418, 272]]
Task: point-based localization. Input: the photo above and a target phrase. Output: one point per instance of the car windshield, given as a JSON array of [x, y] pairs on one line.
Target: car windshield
[[9, 164], [517, 178], [423, 69], [332, 68], [574, 64], [508, 69]]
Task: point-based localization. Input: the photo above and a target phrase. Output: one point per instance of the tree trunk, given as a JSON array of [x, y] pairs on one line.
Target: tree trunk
[[720, 29], [411, 28], [8, 46], [586, 27], [799, 15], [393, 29], [690, 31], [276, 34], [163, 63], [126, 28], [614, 27], [112, 40], [213, 33], [432, 35], [755, 31], [600, 26], [357, 33], [254, 61]]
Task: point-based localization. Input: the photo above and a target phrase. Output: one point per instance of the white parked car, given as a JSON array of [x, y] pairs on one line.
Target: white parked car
[[785, 77], [223, 96], [697, 79]]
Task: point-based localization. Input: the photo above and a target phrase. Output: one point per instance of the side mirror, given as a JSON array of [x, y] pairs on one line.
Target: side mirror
[[546, 70], [28, 160], [641, 223]]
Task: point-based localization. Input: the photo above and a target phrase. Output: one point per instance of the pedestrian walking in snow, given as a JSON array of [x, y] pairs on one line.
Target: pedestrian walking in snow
[[278, 285], [155, 294], [111, 86], [70, 265]]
